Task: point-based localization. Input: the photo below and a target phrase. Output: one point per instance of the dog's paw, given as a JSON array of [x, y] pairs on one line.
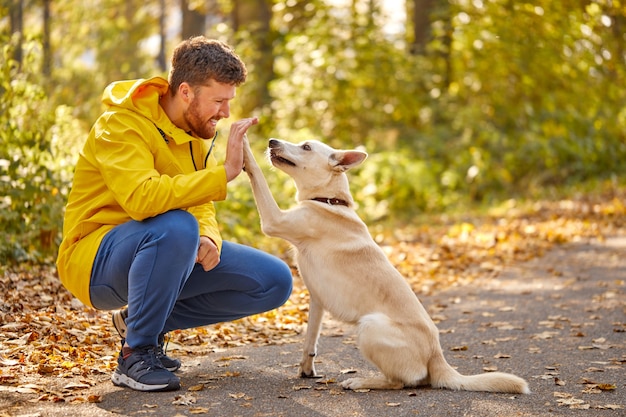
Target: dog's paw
[[352, 383], [371, 383], [309, 374], [306, 372]]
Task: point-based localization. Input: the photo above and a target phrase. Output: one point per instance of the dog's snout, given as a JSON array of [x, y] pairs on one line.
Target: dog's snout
[[274, 143]]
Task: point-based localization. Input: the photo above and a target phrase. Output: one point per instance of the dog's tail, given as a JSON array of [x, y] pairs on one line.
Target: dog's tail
[[442, 375]]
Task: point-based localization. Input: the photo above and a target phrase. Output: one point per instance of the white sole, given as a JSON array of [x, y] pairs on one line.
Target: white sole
[[125, 381]]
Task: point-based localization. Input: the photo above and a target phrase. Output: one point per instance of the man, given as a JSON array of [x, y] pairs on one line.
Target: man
[[140, 226]]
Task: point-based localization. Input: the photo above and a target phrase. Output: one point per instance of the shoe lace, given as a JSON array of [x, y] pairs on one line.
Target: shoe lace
[[150, 357], [162, 345]]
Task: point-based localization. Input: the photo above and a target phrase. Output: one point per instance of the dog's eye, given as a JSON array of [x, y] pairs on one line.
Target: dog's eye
[[306, 147]]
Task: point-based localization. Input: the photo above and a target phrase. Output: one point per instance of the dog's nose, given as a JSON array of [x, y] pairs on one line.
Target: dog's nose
[[274, 143]]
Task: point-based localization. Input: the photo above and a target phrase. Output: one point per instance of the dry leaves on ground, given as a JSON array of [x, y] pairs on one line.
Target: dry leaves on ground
[[45, 332]]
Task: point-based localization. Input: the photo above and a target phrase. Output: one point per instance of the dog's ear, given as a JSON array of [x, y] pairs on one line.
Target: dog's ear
[[344, 160]]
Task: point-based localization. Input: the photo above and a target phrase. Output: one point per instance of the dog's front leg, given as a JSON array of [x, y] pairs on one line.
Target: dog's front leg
[[307, 366], [269, 211]]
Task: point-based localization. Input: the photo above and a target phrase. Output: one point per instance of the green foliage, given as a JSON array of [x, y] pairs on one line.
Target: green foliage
[[35, 162], [507, 99]]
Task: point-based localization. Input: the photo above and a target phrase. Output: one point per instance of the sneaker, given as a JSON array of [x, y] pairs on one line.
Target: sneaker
[[141, 370], [119, 322], [170, 364]]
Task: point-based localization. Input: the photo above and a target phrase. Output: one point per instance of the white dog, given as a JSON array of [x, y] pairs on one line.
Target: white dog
[[348, 275]]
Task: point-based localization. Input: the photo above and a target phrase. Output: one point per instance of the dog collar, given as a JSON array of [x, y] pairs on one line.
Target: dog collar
[[332, 201]]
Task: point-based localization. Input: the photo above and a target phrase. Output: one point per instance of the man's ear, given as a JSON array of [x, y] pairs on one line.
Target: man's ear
[[344, 160], [186, 92]]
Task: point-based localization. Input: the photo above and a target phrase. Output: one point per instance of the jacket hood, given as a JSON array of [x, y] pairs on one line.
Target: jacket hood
[[142, 96]]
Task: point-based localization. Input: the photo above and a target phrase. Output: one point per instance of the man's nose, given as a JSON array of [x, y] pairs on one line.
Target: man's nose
[[225, 109]]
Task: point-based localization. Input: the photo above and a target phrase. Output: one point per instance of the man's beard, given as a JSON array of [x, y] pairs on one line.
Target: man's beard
[[199, 127]]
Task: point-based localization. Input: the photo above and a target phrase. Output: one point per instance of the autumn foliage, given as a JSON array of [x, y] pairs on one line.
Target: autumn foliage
[[52, 345]]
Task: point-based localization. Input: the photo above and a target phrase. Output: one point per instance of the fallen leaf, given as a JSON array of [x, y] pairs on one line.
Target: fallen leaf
[[76, 385], [185, 399], [28, 389], [545, 335], [230, 358], [8, 362], [570, 401], [199, 410], [326, 381], [609, 407]]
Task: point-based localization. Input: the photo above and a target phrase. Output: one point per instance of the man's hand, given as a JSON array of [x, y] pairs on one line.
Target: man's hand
[[208, 256], [233, 163]]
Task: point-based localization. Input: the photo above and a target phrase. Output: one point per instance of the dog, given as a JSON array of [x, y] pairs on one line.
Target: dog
[[348, 274]]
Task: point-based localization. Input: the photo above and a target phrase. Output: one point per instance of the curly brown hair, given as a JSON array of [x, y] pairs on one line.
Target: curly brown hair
[[198, 60]]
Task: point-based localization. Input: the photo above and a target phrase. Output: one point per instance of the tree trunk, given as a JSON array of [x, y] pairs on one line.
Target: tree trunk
[[421, 25], [194, 21], [16, 17], [47, 51], [253, 16], [161, 59]]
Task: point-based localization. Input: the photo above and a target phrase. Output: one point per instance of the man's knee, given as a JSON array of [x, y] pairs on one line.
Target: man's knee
[[283, 282], [177, 230]]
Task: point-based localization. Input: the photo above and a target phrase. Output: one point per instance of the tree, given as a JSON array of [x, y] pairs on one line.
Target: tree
[[254, 35], [193, 22], [420, 12], [16, 17], [45, 41]]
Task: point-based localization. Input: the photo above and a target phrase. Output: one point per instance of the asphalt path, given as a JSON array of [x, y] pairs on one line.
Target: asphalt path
[[558, 321]]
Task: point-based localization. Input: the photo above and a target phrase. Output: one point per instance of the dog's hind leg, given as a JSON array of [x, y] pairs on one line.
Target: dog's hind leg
[[314, 325], [385, 344]]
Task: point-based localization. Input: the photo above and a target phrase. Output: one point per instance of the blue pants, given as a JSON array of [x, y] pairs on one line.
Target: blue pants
[[150, 266]]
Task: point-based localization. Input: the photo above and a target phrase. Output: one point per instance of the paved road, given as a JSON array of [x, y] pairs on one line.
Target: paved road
[[558, 321]]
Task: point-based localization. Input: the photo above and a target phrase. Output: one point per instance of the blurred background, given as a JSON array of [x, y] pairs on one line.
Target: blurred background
[[461, 104]]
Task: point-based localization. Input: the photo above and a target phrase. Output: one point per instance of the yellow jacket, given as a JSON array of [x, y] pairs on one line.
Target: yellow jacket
[[128, 171]]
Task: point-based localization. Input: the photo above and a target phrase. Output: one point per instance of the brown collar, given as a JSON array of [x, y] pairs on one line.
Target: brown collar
[[332, 201]]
